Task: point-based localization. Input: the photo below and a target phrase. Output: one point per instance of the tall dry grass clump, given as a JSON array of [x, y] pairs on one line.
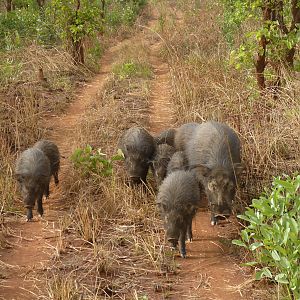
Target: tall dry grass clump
[[206, 87]]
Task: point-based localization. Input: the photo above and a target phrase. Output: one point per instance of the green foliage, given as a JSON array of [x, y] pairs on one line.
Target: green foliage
[[123, 12], [89, 161], [15, 26], [132, 69], [10, 69], [74, 22], [280, 34], [93, 55], [273, 233]]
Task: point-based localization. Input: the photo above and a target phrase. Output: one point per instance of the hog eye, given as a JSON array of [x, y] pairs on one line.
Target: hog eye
[[229, 187]]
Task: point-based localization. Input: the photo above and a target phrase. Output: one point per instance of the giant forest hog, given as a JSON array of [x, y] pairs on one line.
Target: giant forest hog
[[138, 147], [177, 201], [214, 155], [33, 175]]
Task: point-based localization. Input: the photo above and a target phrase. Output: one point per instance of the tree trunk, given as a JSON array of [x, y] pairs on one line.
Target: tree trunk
[[9, 5], [78, 52], [261, 64], [40, 3], [77, 43], [295, 9], [102, 14]]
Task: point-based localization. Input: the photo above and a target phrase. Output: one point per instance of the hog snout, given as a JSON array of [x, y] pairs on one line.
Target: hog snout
[[221, 210], [173, 242], [135, 179]]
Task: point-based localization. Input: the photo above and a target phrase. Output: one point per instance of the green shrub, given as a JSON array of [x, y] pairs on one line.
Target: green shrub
[[94, 53], [90, 161], [123, 12], [132, 69], [273, 234], [17, 25]]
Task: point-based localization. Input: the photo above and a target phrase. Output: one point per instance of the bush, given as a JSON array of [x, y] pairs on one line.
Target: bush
[[17, 25], [132, 69], [273, 234], [90, 161], [123, 12]]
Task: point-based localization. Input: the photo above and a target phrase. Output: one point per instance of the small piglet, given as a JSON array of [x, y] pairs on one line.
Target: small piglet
[[160, 162], [177, 201]]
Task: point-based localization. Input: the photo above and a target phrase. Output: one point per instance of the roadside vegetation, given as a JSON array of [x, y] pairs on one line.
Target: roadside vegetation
[[216, 74]]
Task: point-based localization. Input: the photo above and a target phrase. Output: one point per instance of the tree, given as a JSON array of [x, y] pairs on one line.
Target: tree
[[75, 20], [273, 43]]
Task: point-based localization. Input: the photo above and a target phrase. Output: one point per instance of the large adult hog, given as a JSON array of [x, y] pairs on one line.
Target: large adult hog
[[177, 162], [183, 135], [52, 152], [178, 137], [160, 162], [177, 201], [166, 137], [33, 174], [138, 147], [214, 155]]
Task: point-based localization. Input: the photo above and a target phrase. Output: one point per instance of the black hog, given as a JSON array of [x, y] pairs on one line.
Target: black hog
[[33, 174], [160, 162], [138, 147], [177, 201], [178, 162], [214, 155], [166, 137], [178, 137], [52, 152], [183, 135]]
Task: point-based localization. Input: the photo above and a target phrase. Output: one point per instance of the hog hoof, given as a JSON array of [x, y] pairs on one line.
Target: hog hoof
[[183, 255], [214, 221]]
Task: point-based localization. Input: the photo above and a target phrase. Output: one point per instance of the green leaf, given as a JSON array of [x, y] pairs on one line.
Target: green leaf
[[250, 263], [284, 262], [294, 226], [243, 217], [281, 278], [245, 236], [265, 272], [239, 243], [275, 255], [256, 245]]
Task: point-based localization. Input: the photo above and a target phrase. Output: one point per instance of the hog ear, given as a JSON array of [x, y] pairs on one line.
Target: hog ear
[[162, 206], [238, 169], [203, 170]]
